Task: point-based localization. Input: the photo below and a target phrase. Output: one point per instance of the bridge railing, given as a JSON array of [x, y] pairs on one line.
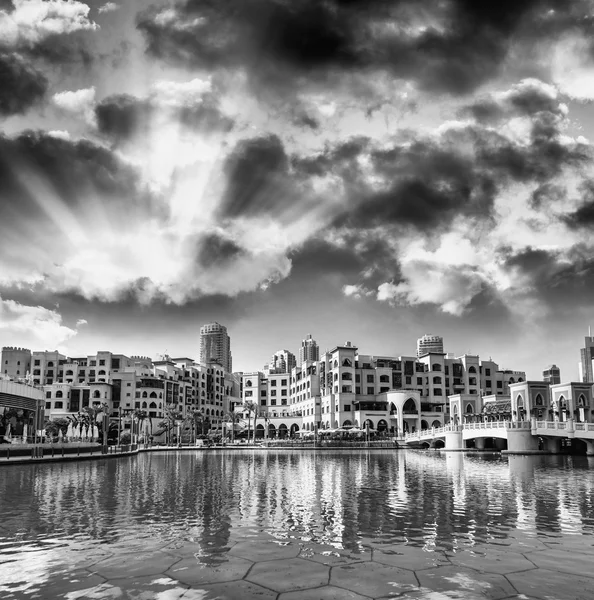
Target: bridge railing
[[433, 432]]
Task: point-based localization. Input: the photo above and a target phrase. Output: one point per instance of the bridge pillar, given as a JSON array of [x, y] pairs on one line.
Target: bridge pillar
[[454, 441], [553, 445], [589, 447], [479, 443], [521, 441]]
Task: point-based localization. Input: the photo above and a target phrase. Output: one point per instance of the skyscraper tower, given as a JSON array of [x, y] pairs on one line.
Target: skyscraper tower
[[586, 359], [309, 350], [215, 344], [429, 343]]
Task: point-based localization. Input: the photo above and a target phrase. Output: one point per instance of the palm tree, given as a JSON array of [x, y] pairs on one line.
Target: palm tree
[[140, 415], [93, 412], [251, 407], [233, 418]]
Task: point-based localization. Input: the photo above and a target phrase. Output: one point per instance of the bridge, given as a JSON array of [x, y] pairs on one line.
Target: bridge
[[522, 436]]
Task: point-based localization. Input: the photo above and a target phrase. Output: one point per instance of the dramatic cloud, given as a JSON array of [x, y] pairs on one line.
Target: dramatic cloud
[[33, 21], [33, 326], [192, 105], [453, 46], [79, 102], [21, 86]]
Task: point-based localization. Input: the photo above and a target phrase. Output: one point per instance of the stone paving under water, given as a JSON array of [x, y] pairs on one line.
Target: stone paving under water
[[260, 565], [290, 571]]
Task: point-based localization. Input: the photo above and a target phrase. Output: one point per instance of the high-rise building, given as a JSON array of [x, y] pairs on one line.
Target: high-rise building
[[282, 361], [586, 359], [552, 375], [215, 344], [429, 343], [309, 350]]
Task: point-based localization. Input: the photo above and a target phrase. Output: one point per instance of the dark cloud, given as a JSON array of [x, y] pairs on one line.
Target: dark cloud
[[123, 116], [524, 99], [70, 169], [215, 250], [562, 280], [583, 216], [546, 195], [446, 47], [21, 86], [257, 175]]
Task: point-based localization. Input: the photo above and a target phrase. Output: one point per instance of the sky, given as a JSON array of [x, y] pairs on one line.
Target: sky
[[361, 170]]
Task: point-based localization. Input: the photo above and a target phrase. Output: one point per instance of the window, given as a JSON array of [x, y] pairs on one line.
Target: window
[[263, 393], [437, 392], [48, 394], [357, 390], [370, 379], [488, 372], [357, 378], [48, 405], [472, 381], [273, 392], [370, 390], [488, 383], [471, 369], [59, 394], [437, 380], [408, 380], [384, 379], [499, 384], [436, 367], [273, 383], [347, 377], [59, 404], [284, 392], [102, 362], [35, 363], [419, 381]]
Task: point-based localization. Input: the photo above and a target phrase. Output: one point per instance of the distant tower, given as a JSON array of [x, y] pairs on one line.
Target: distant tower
[[282, 361], [552, 375], [309, 350], [586, 358], [215, 344], [429, 343]]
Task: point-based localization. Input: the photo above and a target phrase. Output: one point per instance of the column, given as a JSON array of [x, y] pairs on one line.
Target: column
[[479, 443]]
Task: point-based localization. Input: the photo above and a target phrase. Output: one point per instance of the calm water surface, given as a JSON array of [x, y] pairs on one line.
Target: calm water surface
[[56, 519]]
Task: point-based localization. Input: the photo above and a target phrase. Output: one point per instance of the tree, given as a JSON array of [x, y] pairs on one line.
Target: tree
[[93, 412], [139, 415], [55, 426], [251, 407], [233, 418]]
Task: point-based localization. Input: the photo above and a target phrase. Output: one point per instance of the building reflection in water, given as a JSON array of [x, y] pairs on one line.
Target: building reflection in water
[[60, 514]]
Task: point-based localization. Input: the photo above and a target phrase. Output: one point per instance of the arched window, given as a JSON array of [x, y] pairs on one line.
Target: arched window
[[59, 394], [96, 394], [153, 395], [538, 400], [512, 380], [437, 380], [50, 364], [144, 405], [102, 372], [436, 367], [410, 406], [469, 408], [160, 394], [520, 380], [384, 379], [59, 404], [153, 405], [335, 364], [144, 395], [347, 363], [562, 403], [69, 372], [519, 402], [581, 401], [248, 383], [471, 369], [347, 377]]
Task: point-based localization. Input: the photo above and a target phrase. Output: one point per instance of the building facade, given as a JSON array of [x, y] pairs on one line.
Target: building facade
[[282, 361], [15, 362], [586, 364], [552, 375], [215, 344]]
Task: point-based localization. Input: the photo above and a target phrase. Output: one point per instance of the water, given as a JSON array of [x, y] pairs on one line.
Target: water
[[206, 524]]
